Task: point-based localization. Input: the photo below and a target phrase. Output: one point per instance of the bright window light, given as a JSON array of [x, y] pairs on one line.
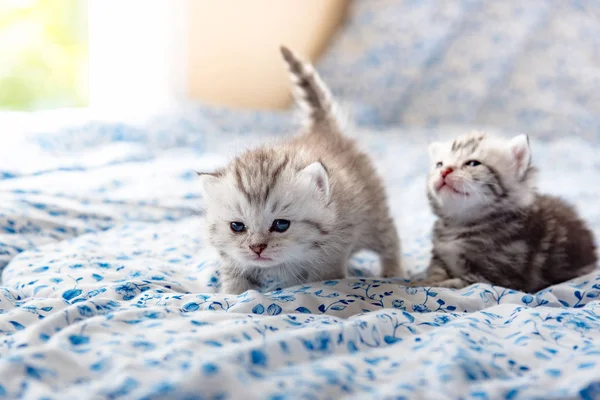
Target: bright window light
[[43, 53]]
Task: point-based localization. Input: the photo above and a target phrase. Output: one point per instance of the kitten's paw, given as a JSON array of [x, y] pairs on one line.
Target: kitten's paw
[[235, 286], [416, 284], [453, 283]]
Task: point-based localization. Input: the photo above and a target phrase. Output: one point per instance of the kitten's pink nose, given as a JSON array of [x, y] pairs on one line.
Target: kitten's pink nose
[[258, 248], [446, 171]]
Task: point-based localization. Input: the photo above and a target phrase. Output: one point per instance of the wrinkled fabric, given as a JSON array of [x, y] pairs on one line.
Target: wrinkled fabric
[[109, 290]]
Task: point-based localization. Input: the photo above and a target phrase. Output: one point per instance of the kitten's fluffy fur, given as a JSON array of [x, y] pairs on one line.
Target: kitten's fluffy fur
[[319, 181], [492, 225]]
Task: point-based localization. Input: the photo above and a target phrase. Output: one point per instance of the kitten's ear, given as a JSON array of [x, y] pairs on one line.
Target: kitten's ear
[[434, 150], [208, 179], [316, 176], [521, 153]]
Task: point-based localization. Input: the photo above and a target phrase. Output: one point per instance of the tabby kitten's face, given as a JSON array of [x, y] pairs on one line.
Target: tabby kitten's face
[[477, 174], [263, 211]]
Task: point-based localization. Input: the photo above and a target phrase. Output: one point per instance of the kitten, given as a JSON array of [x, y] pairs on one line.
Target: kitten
[[493, 226], [301, 208]]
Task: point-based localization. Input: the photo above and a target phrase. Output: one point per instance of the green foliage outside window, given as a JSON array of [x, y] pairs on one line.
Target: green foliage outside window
[[43, 54]]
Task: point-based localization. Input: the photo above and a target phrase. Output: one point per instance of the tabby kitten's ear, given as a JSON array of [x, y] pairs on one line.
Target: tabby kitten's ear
[[204, 174], [315, 175], [521, 153], [208, 179]]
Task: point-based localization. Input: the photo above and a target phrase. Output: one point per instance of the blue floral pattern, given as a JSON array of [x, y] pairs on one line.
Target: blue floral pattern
[[109, 290]]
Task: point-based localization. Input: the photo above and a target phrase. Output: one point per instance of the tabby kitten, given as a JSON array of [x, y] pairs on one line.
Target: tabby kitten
[[493, 226], [299, 209]]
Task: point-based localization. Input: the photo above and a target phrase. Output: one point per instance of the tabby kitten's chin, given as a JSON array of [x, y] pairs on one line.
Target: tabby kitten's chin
[[493, 226]]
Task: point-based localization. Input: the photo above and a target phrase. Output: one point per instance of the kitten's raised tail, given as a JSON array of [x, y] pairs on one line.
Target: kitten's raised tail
[[311, 93]]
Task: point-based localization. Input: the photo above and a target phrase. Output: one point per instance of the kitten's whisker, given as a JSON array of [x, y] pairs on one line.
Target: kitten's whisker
[[291, 268], [314, 269], [296, 274]]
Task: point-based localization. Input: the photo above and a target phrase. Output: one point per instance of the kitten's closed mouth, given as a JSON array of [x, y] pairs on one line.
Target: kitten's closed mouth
[[446, 185], [259, 258]]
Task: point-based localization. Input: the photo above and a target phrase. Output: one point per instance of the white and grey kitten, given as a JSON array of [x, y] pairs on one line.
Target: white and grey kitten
[[493, 226], [299, 209]]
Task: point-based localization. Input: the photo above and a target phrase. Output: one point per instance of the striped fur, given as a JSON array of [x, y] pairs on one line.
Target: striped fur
[[312, 95], [500, 231], [321, 182]]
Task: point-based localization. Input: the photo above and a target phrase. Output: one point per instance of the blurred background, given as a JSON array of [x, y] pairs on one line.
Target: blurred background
[[44, 53], [520, 66], [110, 53]]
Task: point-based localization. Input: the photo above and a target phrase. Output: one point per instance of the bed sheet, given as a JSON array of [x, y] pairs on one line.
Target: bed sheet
[[109, 292]]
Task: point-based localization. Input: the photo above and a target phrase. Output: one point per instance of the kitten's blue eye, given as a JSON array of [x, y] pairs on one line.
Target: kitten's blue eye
[[472, 163], [280, 225], [439, 165], [237, 227]]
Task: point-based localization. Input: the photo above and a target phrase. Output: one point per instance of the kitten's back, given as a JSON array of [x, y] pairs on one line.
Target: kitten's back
[[554, 226]]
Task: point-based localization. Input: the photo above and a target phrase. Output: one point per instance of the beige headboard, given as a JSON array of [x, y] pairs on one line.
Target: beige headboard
[[234, 55]]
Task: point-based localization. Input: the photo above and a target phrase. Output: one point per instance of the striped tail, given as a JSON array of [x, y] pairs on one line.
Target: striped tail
[[311, 94]]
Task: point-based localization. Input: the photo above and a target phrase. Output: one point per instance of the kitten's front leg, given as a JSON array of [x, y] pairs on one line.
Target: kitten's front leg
[[385, 242], [332, 269], [236, 285], [234, 281], [452, 283], [391, 267], [437, 276]]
